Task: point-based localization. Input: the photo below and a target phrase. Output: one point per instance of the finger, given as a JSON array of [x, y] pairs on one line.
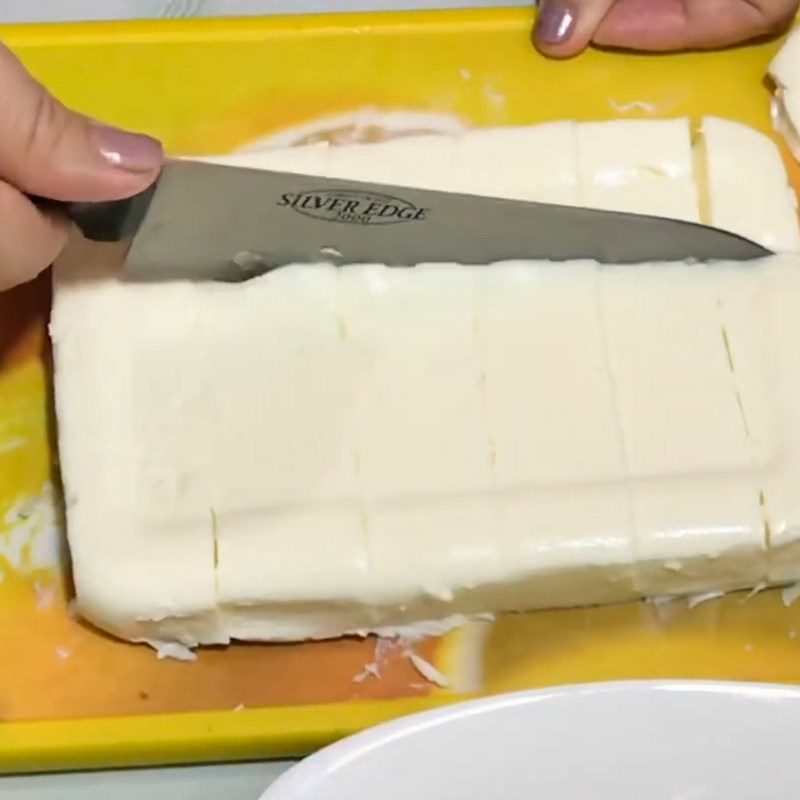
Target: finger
[[663, 25], [565, 27], [30, 239], [48, 150]]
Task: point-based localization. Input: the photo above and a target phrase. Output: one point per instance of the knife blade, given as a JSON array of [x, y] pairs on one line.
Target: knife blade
[[205, 221]]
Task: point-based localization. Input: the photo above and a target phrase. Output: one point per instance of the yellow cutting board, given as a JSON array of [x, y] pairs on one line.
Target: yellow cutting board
[[71, 697]]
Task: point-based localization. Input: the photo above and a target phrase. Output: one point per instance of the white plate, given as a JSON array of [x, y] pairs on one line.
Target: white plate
[[649, 740]]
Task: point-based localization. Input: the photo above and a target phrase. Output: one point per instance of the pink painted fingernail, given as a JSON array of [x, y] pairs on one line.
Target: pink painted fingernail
[[134, 152], [555, 23]]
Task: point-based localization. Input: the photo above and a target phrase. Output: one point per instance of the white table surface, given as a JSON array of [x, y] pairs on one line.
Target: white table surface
[[60, 10], [231, 782]]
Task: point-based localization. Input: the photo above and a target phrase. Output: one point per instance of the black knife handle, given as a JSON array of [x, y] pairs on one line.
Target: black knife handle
[[106, 221]]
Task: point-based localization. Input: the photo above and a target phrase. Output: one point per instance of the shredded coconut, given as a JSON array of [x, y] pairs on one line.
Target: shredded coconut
[[790, 593], [634, 105], [494, 95], [353, 127], [759, 587], [370, 670], [31, 537], [173, 650], [694, 600], [383, 647], [11, 444], [665, 608], [45, 595], [331, 253], [416, 631], [426, 669]]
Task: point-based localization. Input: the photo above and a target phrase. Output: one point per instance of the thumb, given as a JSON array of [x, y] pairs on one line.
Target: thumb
[[565, 27], [48, 150]]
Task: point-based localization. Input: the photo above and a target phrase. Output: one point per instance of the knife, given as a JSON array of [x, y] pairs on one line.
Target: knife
[[206, 221]]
